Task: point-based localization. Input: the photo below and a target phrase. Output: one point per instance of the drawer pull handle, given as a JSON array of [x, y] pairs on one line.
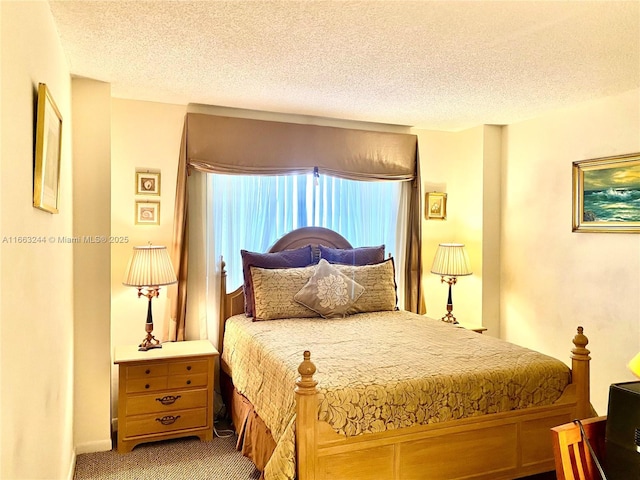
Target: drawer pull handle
[[147, 386], [168, 400], [147, 371], [168, 419], [188, 382], [189, 368]]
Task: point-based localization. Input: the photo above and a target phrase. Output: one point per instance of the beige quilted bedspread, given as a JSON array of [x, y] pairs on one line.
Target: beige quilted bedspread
[[380, 371]]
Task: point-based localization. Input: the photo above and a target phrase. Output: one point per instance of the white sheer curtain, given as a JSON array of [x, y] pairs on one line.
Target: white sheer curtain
[[204, 276], [365, 213], [252, 212], [402, 229]]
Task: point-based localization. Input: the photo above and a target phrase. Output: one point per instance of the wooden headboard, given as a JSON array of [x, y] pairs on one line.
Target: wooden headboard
[[233, 303]]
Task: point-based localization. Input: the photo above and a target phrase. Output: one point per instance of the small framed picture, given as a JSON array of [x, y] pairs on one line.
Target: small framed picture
[[147, 213], [46, 175], [436, 206], [147, 183]]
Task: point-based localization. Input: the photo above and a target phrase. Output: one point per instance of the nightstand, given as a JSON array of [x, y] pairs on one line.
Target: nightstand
[[165, 392]]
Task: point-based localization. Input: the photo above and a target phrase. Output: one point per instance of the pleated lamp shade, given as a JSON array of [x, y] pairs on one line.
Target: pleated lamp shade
[[451, 260], [150, 266]]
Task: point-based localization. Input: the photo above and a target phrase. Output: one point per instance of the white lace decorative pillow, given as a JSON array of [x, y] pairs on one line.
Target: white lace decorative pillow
[[329, 292]]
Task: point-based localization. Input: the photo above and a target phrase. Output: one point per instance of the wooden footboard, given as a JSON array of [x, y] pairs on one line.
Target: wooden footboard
[[497, 446]]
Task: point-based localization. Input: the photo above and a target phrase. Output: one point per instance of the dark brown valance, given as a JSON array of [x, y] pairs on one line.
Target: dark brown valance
[[242, 146]]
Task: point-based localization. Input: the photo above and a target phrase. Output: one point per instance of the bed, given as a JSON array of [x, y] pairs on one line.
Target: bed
[[326, 404]]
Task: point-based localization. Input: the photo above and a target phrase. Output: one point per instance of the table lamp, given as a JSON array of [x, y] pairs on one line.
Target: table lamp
[[451, 261], [150, 267]]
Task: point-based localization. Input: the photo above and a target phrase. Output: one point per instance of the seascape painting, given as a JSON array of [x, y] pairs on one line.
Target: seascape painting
[[607, 194], [612, 195]]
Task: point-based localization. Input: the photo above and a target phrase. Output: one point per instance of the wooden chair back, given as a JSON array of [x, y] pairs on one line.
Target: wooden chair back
[[572, 457]]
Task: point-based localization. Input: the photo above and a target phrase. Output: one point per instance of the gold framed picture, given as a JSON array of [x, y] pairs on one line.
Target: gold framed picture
[[46, 173], [147, 183], [606, 194], [147, 213], [436, 206]]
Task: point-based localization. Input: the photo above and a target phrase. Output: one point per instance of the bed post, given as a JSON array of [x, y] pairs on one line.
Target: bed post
[[223, 304], [580, 374], [306, 417]]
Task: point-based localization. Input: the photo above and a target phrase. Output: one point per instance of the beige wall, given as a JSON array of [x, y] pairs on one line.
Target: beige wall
[[491, 234], [454, 163], [92, 263], [2, 117], [552, 279], [145, 135], [36, 280]]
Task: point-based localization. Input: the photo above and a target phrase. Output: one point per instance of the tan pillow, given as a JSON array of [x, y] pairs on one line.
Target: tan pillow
[[274, 289], [379, 284], [329, 292]]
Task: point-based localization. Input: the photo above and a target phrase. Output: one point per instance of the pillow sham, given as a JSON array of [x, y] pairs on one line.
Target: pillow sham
[[352, 256], [379, 283], [274, 289], [329, 292], [298, 257]]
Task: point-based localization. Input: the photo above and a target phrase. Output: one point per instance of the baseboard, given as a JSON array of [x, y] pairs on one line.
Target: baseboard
[[92, 447], [72, 467]]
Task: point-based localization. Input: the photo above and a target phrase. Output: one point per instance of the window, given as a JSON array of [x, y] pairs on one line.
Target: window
[[252, 212]]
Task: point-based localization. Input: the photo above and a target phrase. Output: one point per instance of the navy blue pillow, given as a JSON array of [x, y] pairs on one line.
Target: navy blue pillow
[[352, 256], [298, 257]]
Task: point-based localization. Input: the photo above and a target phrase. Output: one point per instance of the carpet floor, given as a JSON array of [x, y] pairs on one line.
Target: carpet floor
[[180, 459]]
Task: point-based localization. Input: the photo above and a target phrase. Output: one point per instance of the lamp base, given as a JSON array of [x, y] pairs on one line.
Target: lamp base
[[449, 318], [148, 343]]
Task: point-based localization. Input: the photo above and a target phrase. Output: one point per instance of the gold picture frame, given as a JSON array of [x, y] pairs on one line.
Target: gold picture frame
[[606, 194], [46, 172], [148, 183], [147, 212], [436, 206]]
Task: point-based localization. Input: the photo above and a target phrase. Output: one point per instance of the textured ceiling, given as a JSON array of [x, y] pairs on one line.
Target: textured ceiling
[[442, 65]]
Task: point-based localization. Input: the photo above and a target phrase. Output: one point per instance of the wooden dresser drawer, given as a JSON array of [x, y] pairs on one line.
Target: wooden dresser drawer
[[184, 368], [166, 401], [191, 380], [152, 384], [147, 370], [162, 423]]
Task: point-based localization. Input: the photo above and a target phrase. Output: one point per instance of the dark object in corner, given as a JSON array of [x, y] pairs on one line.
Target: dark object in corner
[[622, 438]]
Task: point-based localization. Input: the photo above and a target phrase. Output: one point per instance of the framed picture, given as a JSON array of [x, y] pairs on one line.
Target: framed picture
[[46, 172], [147, 213], [436, 206], [606, 194], [147, 183]]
